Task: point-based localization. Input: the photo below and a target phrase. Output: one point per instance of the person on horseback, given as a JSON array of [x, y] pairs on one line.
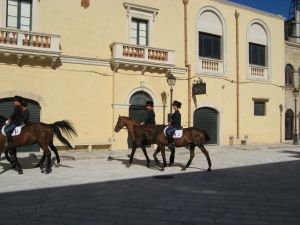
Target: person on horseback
[[150, 119], [174, 124], [16, 119], [25, 112]]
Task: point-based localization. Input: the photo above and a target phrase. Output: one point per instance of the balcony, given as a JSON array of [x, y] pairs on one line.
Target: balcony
[[210, 66], [23, 46], [141, 58], [258, 72]]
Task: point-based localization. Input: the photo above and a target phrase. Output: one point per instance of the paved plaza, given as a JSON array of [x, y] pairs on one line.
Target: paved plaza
[[249, 185]]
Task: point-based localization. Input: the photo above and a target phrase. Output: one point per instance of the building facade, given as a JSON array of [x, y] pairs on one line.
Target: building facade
[[101, 59]]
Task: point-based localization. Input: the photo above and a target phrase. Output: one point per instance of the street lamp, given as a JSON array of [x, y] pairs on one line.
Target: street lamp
[[171, 79], [295, 95]]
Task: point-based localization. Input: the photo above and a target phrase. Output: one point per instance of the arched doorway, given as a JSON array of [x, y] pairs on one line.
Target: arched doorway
[[137, 108], [289, 124], [7, 107], [208, 119]]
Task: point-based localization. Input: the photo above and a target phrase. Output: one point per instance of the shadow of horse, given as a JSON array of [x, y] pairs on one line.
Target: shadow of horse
[[29, 162]]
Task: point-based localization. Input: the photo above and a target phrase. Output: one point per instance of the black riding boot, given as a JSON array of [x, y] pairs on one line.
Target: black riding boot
[[171, 144], [9, 141]]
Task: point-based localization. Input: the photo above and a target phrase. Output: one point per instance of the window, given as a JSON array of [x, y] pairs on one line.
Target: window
[[19, 14], [259, 108], [139, 32], [257, 54], [289, 75], [209, 46]]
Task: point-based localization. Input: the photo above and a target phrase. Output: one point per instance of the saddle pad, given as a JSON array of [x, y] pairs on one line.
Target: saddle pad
[[16, 131], [177, 134]]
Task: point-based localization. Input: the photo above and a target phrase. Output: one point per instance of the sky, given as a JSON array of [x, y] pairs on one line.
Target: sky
[[273, 6]]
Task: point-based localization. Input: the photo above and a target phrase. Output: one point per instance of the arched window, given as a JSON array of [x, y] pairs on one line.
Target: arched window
[[289, 75], [211, 44], [258, 48]]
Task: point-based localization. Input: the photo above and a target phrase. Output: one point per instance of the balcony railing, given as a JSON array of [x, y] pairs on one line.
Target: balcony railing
[[258, 72], [26, 43], [210, 66], [143, 56]]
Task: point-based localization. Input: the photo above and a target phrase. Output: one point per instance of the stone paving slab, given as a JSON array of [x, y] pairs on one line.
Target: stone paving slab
[[245, 187]]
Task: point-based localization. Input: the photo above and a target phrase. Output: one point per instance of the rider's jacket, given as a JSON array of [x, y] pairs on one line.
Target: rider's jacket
[[17, 116], [26, 116], [176, 120], [150, 119]]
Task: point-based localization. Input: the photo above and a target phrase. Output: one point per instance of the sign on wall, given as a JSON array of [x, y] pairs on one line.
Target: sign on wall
[[199, 88]]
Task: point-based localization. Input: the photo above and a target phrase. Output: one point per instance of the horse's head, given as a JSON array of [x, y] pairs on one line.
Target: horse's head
[[120, 124]]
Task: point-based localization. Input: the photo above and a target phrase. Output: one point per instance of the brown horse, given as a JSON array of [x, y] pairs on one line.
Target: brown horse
[[41, 134], [191, 138], [137, 133]]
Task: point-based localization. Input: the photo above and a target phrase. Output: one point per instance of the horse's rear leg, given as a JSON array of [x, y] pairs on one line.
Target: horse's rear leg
[[163, 154], [172, 156], [192, 155], [205, 152], [146, 155], [47, 153], [42, 160], [54, 149], [155, 155]]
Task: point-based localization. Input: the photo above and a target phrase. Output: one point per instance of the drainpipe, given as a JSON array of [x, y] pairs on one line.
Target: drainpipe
[[236, 14], [187, 65]]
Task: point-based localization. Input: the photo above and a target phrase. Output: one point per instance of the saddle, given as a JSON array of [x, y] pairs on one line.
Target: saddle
[[177, 134], [16, 131]]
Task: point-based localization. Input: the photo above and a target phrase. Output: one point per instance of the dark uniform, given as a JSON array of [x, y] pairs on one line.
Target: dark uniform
[[150, 119], [17, 118], [175, 124]]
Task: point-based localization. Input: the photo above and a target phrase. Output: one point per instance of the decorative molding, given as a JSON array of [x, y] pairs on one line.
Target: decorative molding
[[145, 89], [84, 60], [135, 7]]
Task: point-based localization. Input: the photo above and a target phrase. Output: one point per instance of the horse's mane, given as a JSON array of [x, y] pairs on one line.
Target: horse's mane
[[128, 118]]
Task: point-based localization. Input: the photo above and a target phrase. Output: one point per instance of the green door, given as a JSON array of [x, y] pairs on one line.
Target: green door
[[207, 119], [137, 108], [6, 109]]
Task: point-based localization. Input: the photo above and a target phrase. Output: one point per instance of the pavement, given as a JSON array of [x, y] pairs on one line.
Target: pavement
[[248, 185]]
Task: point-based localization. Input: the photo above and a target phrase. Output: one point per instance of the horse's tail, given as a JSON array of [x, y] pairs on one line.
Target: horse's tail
[[67, 128]]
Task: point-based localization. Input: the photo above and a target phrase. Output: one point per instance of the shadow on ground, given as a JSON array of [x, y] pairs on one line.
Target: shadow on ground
[[262, 194]]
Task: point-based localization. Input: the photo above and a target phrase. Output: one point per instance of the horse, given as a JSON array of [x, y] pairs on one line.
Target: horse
[[41, 134], [137, 134], [191, 138]]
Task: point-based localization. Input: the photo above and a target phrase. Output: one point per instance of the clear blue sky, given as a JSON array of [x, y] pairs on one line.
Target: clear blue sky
[[273, 6]]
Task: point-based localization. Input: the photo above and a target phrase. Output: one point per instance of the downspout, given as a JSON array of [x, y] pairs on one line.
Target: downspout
[[186, 63], [236, 14]]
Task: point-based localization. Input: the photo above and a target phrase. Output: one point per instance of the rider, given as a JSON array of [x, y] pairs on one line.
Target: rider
[[16, 119], [150, 119], [25, 112], [175, 123]]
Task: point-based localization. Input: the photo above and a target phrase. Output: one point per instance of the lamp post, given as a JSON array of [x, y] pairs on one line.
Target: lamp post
[[295, 95], [171, 79]]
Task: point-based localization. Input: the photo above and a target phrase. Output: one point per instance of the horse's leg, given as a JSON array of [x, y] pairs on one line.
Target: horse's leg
[[13, 155], [47, 153], [192, 155], [172, 156], [155, 155], [54, 149], [42, 160], [205, 152], [146, 155], [163, 154], [132, 154]]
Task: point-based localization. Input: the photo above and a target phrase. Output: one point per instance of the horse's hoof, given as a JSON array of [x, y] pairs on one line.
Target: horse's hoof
[[171, 164], [20, 172], [48, 171], [209, 169], [183, 169], [148, 165], [57, 165], [128, 165]]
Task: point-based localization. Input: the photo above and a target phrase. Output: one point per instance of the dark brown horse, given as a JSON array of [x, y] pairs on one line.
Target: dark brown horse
[[41, 134], [191, 138], [136, 134]]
